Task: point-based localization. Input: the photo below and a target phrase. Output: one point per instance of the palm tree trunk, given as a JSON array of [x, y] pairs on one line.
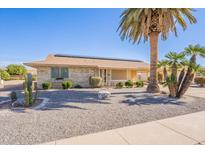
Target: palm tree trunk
[[187, 78], [165, 73], [174, 84], [153, 86], [181, 77], [186, 87]]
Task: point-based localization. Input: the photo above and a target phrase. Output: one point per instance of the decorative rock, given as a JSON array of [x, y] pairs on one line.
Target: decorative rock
[[103, 94], [18, 103]]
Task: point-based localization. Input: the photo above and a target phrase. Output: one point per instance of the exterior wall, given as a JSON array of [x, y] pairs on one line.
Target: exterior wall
[[43, 75], [81, 75], [142, 76], [78, 75], [132, 75], [119, 75]]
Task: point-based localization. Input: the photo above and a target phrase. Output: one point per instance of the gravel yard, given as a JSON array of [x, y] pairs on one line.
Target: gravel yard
[[78, 111]]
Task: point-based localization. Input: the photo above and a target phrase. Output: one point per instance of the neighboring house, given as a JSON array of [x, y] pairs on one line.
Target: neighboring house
[[58, 68], [32, 71]]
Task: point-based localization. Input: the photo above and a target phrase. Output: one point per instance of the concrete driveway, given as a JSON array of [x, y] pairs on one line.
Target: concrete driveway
[[182, 130]]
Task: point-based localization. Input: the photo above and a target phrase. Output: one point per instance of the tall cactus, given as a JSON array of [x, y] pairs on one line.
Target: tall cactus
[[28, 90]]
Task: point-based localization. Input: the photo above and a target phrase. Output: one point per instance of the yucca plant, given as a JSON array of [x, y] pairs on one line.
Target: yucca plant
[[149, 23]]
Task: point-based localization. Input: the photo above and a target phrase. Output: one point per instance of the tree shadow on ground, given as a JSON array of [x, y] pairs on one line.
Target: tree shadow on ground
[[60, 99], [69, 96], [124, 93], [149, 99]]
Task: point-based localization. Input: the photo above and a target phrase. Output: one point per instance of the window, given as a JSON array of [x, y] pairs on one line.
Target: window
[[57, 72], [64, 72]]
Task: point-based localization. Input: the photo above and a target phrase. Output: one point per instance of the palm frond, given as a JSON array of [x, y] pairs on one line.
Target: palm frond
[[138, 23]]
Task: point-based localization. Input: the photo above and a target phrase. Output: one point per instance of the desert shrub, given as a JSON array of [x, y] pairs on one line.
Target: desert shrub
[[67, 85], [95, 82], [13, 69], [119, 85], [78, 86], [139, 83], [4, 75], [129, 83], [200, 81], [46, 85], [13, 96]]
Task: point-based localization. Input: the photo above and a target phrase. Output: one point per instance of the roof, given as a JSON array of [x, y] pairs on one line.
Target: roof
[[85, 61]]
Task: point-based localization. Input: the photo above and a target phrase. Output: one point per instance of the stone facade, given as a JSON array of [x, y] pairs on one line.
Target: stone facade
[[81, 75], [43, 75], [78, 75]]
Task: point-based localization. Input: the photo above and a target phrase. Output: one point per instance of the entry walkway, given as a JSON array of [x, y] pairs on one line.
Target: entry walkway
[[185, 129]]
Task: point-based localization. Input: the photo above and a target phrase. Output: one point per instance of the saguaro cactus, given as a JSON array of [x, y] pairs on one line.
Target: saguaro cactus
[[28, 90]]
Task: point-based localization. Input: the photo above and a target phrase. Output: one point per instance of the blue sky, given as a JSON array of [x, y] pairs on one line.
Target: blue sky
[[32, 34]]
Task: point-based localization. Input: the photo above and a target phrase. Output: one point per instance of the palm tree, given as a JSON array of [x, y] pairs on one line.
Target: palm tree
[[149, 23], [175, 61], [193, 51]]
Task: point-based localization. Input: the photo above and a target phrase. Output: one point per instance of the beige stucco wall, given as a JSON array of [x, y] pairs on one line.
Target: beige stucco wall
[[119, 75], [78, 75]]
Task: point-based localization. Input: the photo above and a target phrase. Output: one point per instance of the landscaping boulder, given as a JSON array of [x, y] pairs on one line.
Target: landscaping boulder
[[18, 103], [103, 94]]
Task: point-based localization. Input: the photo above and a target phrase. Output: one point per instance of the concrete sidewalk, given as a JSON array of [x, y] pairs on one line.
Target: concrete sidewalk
[[185, 129]]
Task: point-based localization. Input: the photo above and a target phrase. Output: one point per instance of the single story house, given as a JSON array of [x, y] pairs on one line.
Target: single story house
[[58, 68]]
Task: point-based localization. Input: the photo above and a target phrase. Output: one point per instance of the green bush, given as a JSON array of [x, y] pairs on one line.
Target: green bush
[[119, 85], [4, 75], [67, 85], [200, 81], [13, 69], [139, 83], [95, 82], [46, 85], [129, 84]]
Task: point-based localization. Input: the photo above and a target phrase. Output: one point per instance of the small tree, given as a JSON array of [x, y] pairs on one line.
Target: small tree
[[179, 84], [14, 69], [4, 75]]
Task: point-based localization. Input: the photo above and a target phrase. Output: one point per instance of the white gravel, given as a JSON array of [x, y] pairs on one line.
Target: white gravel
[[77, 112]]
